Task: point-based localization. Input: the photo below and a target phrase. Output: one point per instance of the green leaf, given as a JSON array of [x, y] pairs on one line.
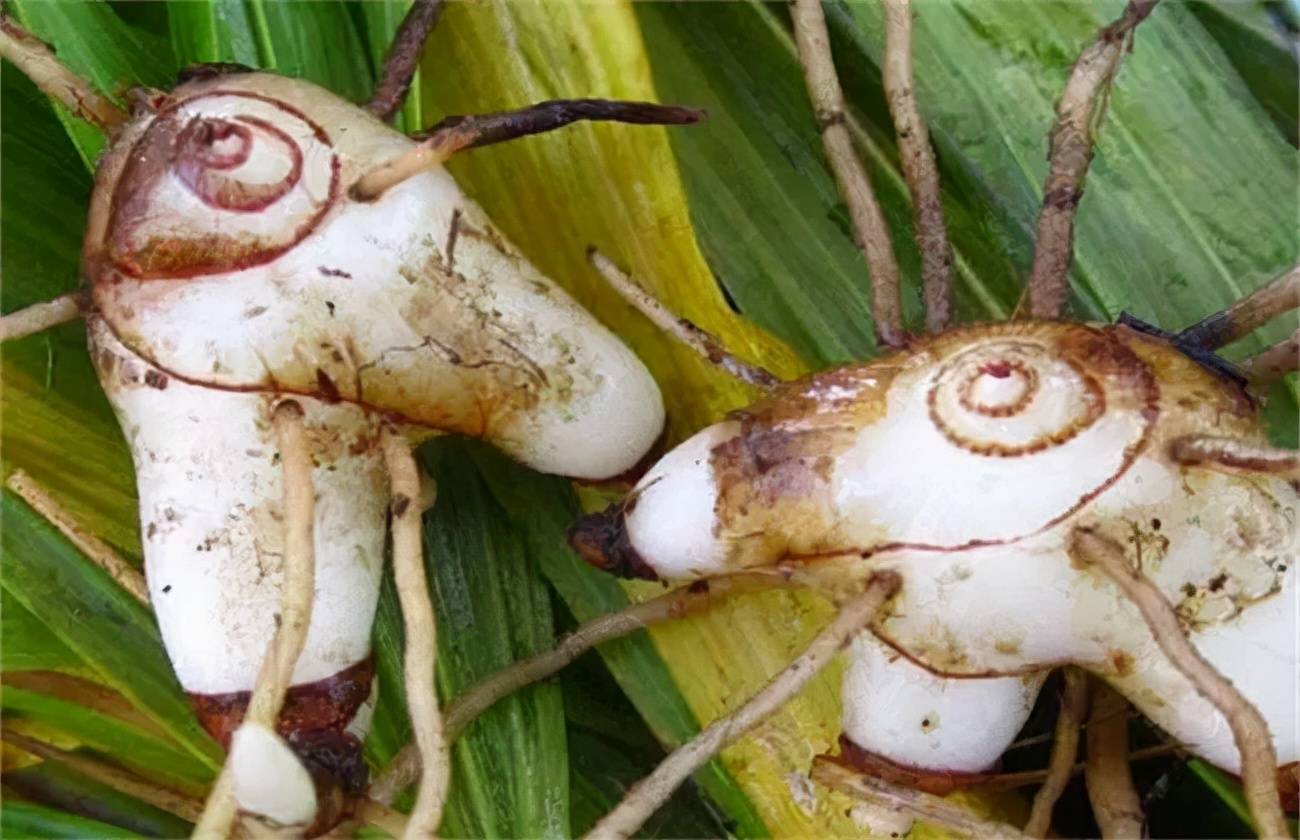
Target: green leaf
[[54, 783], [610, 749], [510, 768], [23, 819], [57, 424], [216, 31], [125, 744], [380, 21], [94, 42], [543, 507], [94, 617], [314, 41], [28, 643]]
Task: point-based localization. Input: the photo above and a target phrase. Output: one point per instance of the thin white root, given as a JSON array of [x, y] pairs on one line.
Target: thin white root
[[421, 638], [152, 793], [647, 795], [1249, 729], [917, 158], [702, 342], [1274, 363], [126, 575], [1115, 802], [680, 603], [39, 316], [1078, 114], [1281, 294], [1225, 454], [872, 233], [55, 79], [1065, 746], [298, 590], [923, 806]]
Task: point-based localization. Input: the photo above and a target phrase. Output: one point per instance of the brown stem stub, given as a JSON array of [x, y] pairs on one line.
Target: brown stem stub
[[1277, 361], [919, 167], [870, 230], [1282, 294], [1078, 113], [456, 133], [404, 58]]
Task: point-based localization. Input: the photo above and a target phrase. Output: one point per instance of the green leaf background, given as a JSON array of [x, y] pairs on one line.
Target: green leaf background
[[734, 223]]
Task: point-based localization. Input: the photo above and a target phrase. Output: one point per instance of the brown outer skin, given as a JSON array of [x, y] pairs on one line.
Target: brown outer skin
[[774, 478], [313, 721]]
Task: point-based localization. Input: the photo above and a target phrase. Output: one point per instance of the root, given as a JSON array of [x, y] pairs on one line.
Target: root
[[126, 575], [917, 158], [1225, 454], [421, 639], [1024, 778], [680, 603], [1272, 364], [1074, 706], [55, 79], [404, 58], [298, 590], [1281, 294], [872, 233], [116, 778], [1078, 114], [923, 806], [702, 342], [1249, 729], [456, 133], [1115, 802], [39, 316], [647, 795]]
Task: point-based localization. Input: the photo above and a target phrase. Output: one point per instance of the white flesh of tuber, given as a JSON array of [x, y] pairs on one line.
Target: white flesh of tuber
[[965, 464]]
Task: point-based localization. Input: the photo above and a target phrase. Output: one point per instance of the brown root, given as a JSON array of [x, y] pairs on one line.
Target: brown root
[[126, 575], [647, 795], [39, 317], [1249, 729], [680, 603], [1225, 454], [1282, 294], [56, 80], [297, 593], [919, 804], [456, 133], [917, 158], [1272, 364], [702, 342], [421, 639], [1025, 778], [871, 232], [1078, 113], [1074, 706], [1115, 803], [404, 58]]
